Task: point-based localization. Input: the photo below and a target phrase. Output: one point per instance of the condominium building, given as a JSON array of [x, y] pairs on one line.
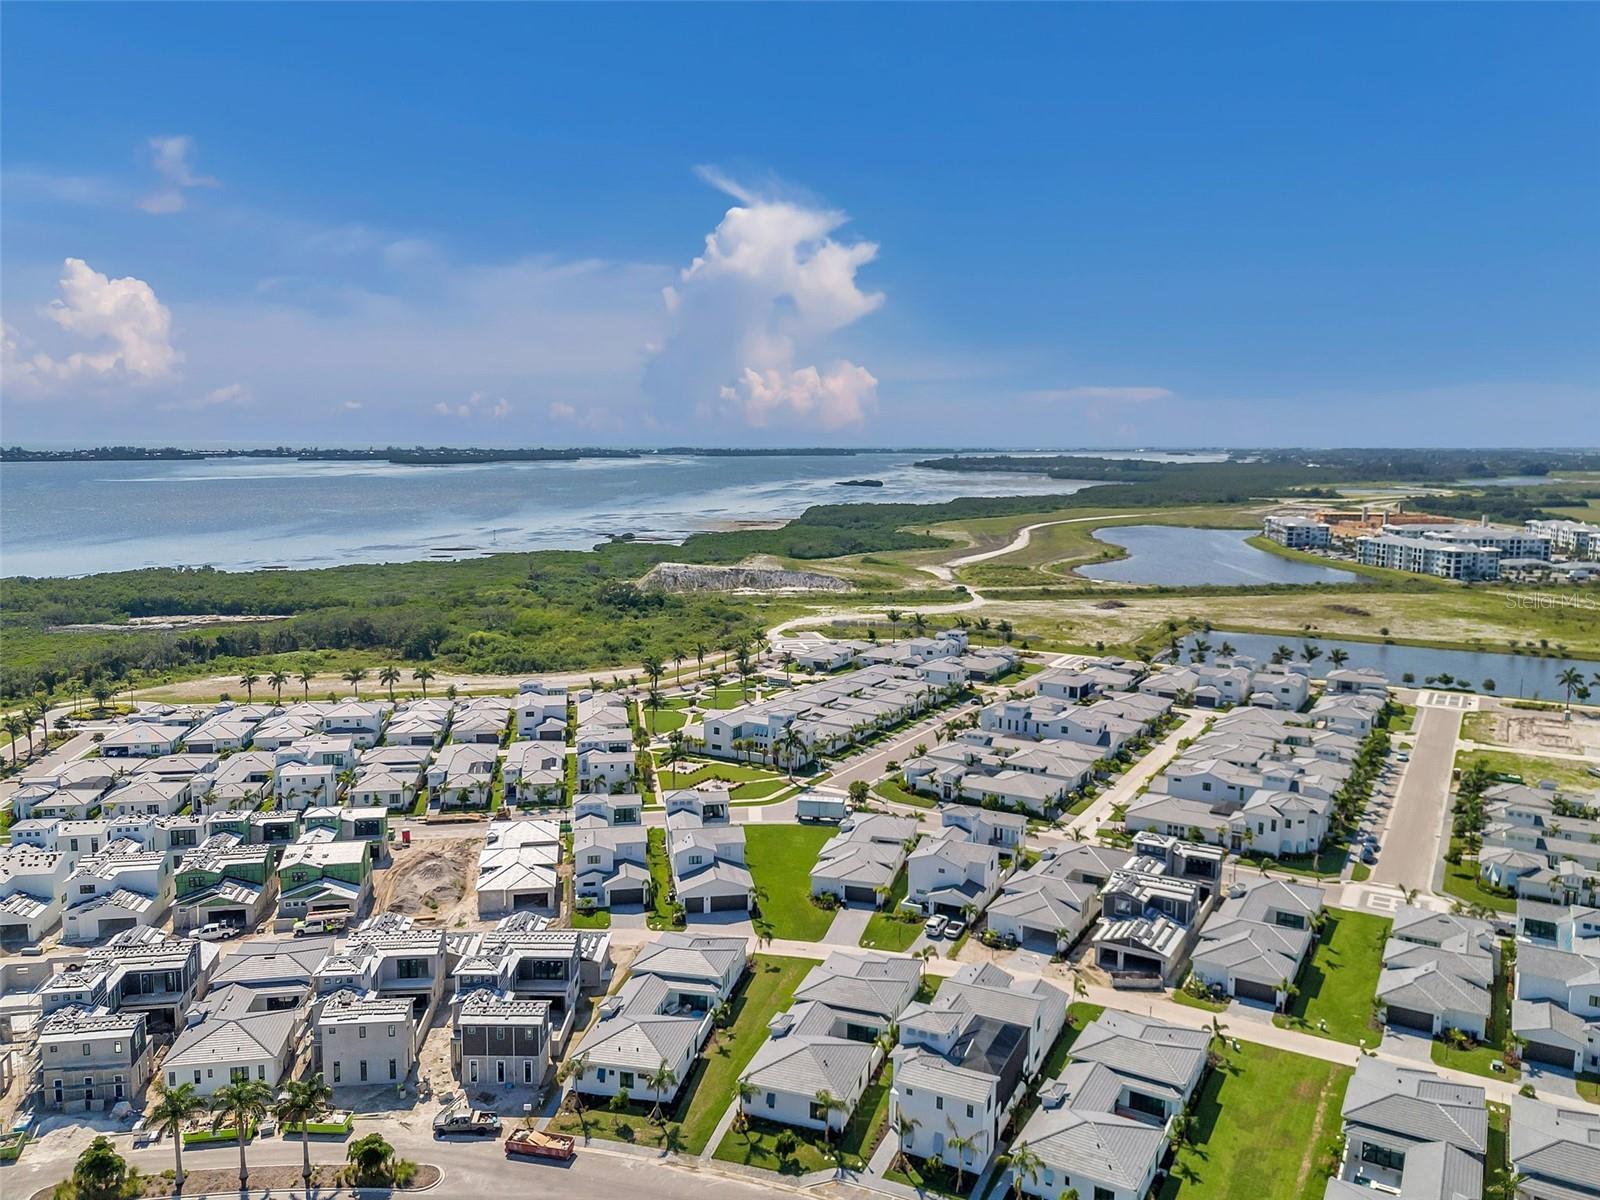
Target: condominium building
[[1297, 532]]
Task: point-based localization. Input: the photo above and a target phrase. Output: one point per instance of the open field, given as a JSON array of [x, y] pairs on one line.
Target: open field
[[1265, 1124], [1568, 773], [1533, 731], [1337, 985], [780, 859]]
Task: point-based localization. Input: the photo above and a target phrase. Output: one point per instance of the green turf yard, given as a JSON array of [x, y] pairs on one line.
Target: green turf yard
[[756, 1146], [710, 1088], [664, 720], [1338, 984], [780, 858], [893, 789], [1567, 773], [1480, 1059], [1265, 1124], [695, 771], [884, 932]]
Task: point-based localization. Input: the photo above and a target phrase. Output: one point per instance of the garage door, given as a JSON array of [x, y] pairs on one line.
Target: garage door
[[862, 895], [116, 925], [228, 916], [729, 903], [526, 900], [1543, 1052], [1410, 1018], [1250, 989], [628, 896]]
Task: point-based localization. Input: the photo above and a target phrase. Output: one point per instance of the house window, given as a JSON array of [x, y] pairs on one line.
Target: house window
[[472, 1070], [1382, 1156], [772, 1099], [938, 1103], [336, 1072], [391, 1031], [969, 1110], [1101, 1193], [363, 1031], [625, 1081], [363, 1070], [393, 1075], [527, 1071]]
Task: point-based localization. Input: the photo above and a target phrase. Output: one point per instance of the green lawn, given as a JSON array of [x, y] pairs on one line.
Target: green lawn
[[1462, 881], [1337, 985], [728, 696], [887, 932], [758, 789], [756, 1146], [1079, 1014], [1265, 1124], [710, 1087], [664, 720], [1567, 773], [1497, 1159], [780, 858], [1589, 1087], [694, 771], [1179, 996], [893, 789], [660, 878], [1360, 872], [600, 918]]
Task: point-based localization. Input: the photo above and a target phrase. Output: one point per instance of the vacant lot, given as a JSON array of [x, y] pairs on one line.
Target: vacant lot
[[1265, 1124], [1338, 984], [1568, 773], [780, 859]]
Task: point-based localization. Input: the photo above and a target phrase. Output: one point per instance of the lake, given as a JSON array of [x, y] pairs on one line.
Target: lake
[[1513, 674], [1178, 556], [237, 514]]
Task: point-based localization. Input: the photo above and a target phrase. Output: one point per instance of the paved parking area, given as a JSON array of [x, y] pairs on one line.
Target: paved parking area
[[848, 926]]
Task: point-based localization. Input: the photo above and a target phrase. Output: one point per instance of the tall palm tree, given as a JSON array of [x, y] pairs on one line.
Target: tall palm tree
[[14, 727], [829, 1104], [248, 682], [302, 1102], [276, 682], [389, 676], [1309, 652], [1572, 680], [904, 1127], [575, 1068], [305, 675], [792, 746], [422, 675], [353, 677], [960, 1145], [1025, 1164], [174, 1108], [677, 663], [1005, 629], [746, 1092], [893, 616], [244, 1102], [1338, 657], [662, 1078]]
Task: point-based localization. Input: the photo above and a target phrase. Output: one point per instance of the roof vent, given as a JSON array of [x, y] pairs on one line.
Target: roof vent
[[780, 1024], [1052, 1096]]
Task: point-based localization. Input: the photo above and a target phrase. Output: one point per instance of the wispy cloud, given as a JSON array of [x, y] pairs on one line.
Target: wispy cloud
[[170, 155], [1123, 395]]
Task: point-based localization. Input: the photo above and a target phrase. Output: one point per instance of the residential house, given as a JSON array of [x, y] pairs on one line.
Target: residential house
[[223, 880], [952, 875], [1257, 942], [708, 865], [1555, 1150], [234, 1034], [363, 1040], [92, 1059], [1049, 906], [1410, 1134], [501, 1040], [517, 868], [319, 877]]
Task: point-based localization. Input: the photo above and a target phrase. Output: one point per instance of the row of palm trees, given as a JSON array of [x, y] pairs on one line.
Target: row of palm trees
[[278, 680], [243, 1104]]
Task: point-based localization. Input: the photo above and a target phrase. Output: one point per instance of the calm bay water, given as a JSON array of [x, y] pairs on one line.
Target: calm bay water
[[77, 518], [1178, 556], [1513, 674]]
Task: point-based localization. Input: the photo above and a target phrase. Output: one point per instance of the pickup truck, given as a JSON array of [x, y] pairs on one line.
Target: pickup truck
[[535, 1143], [469, 1122]]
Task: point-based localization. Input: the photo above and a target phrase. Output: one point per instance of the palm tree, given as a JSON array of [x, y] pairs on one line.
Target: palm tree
[[302, 1102], [791, 746], [248, 682], [353, 677], [925, 954], [662, 1078], [305, 676], [1338, 658], [1309, 652], [829, 1104], [677, 663], [174, 1108], [244, 1102], [904, 1127], [100, 1171], [1005, 629], [893, 615], [389, 676], [575, 1068], [276, 681], [14, 726], [370, 1157], [422, 675], [1572, 680], [1227, 649], [960, 1145], [1025, 1164], [746, 1092]]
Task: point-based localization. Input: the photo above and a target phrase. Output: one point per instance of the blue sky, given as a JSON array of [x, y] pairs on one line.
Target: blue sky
[[1085, 225]]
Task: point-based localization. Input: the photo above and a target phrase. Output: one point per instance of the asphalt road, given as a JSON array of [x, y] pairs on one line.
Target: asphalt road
[[1411, 847]]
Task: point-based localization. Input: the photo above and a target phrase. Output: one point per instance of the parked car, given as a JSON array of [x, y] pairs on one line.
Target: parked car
[[471, 1122], [935, 926], [1404, 756], [1367, 856], [315, 925], [215, 931], [955, 929]]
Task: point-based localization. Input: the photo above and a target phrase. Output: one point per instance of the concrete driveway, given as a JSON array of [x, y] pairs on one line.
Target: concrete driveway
[[848, 926]]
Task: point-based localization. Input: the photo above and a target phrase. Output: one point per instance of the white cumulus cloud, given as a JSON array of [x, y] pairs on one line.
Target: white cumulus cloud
[[772, 283], [132, 331], [170, 155], [477, 404]]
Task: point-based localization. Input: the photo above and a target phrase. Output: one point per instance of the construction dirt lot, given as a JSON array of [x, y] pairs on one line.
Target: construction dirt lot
[[434, 881], [1534, 732]]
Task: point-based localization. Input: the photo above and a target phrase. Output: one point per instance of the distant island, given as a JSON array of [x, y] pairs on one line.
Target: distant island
[[858, 483]]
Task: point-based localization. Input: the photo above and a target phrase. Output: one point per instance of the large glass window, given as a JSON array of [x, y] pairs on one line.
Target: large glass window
[[1382, 1156]]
